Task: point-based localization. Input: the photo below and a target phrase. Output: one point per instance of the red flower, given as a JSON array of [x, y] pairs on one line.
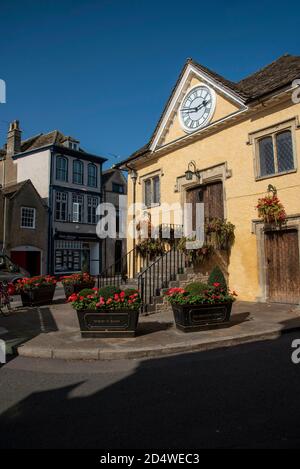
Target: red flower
[[72, 298], [216, 284], [11, 289], [174, 291]]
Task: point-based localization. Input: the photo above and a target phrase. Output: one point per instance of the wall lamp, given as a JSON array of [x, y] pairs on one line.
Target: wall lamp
[[190, 173]]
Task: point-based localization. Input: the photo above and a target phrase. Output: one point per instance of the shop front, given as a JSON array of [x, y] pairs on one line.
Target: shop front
[[76, 255]]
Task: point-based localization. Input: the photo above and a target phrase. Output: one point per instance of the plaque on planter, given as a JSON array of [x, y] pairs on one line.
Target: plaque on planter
[[114, 323], [105, 321]]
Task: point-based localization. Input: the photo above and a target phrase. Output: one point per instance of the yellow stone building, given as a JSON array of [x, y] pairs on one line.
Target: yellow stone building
[[237, 138]]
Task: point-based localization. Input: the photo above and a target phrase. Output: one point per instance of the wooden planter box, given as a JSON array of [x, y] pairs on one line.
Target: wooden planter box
[[76, 288], [110, 323], [189, 318], [38, 297]]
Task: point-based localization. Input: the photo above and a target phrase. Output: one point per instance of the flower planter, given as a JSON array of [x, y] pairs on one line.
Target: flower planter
[[38, 296], [189, 318], [112, 323], [76, 287]]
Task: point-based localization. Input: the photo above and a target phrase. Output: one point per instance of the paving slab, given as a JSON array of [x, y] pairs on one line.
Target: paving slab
[[53, 332]]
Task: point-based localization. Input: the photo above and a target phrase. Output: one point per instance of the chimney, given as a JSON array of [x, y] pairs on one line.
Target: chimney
[[13, 139]]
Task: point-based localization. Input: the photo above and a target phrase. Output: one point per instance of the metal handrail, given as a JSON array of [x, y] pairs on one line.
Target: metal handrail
[[117, 273], [157, 275]]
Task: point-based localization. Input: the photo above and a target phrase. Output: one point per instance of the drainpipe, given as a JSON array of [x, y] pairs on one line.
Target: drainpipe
[[4, 225], [133, 175], [4, 207], [50, 261]]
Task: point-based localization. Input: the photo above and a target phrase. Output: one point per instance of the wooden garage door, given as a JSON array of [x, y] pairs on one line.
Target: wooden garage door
[[212, 197], [283, 266]]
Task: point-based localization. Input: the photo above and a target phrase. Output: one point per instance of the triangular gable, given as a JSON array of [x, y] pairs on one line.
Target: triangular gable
[[191, 72]]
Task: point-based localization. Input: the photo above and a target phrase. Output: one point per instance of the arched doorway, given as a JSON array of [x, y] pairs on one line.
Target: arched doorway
[[28, 257]]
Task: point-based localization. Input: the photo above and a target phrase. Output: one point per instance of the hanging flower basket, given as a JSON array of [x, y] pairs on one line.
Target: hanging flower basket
[[270, 209], [220, 234]]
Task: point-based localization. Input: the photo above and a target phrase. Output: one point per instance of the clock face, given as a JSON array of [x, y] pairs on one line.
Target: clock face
[[197, 108]]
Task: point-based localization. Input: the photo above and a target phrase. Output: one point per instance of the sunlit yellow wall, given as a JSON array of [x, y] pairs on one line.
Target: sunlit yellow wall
[[241, 190]]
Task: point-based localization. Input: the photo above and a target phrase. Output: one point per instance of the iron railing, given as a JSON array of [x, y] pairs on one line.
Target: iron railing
[[132, 262], [117, 274], [157, 276]]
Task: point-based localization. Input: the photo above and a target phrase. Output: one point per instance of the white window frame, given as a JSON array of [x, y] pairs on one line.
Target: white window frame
[[33, 219]]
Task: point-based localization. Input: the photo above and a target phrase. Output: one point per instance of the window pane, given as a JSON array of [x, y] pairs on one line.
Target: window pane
[[266, 155], [148, 192], [27, 217], [156, 190], [78, 172], [285, 151], [92, 175], [119, 188], [61, 206], [61, 169]]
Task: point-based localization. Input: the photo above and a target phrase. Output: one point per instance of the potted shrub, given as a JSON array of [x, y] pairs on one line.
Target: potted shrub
[[199, 306], [76, 282], [36, 291], [107, 312]]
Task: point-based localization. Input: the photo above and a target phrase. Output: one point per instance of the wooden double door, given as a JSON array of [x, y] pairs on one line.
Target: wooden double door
[[211, 195], [282, 266]]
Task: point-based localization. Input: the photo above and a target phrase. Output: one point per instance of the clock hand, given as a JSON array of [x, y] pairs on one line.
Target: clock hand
[[194, 109], [204, 103]]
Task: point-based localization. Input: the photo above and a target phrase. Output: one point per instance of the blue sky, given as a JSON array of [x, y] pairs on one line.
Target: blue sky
[[102, 70]]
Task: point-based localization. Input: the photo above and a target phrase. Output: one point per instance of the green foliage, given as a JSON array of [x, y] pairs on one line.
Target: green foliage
[[217, 276], [86, 291], [151, 247], [108, 291], [129, 291], [198, 255], [220, 234], [214, 294], [196, 288]]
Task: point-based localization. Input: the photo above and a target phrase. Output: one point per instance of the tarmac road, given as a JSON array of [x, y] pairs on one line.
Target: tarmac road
[[246, 396]]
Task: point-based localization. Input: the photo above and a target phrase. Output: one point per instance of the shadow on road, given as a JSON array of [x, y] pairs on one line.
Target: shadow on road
[[25, 324], [246, 396]]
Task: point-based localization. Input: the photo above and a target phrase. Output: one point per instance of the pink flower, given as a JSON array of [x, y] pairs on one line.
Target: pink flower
[[101, 302]]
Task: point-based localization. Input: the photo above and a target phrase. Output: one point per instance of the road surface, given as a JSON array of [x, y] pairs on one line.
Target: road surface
[[247, 396]]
